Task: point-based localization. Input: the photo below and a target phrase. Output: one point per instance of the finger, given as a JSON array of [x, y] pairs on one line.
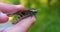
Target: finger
[[22, 26], [3, 18], [9, 8], [26, 23]]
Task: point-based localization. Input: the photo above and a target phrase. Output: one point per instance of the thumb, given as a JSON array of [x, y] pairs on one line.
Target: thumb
[[22, 26], [26, 23]]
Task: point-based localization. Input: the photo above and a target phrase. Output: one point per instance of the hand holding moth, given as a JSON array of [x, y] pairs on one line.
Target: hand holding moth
[[22, 26]]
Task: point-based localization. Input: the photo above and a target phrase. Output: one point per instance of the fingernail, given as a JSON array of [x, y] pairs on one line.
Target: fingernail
[[20, 7], [32, 18]]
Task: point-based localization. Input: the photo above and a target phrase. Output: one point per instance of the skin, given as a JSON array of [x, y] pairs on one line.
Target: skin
[[22, 26]]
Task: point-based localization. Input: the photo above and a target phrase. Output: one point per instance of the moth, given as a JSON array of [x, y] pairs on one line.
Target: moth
[[23, 14]]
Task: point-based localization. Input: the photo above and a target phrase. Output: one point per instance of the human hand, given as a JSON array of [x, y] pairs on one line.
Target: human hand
[[22, 26]]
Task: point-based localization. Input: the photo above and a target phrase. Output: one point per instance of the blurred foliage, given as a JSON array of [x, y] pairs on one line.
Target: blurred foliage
[[48, 14], [1, 0], [12, 1]]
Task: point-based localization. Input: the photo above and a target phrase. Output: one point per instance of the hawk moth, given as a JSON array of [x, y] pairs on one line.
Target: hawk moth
[[23, 14]]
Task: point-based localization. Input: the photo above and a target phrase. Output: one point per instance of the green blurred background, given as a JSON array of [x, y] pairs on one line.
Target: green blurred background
[[48, 14]]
